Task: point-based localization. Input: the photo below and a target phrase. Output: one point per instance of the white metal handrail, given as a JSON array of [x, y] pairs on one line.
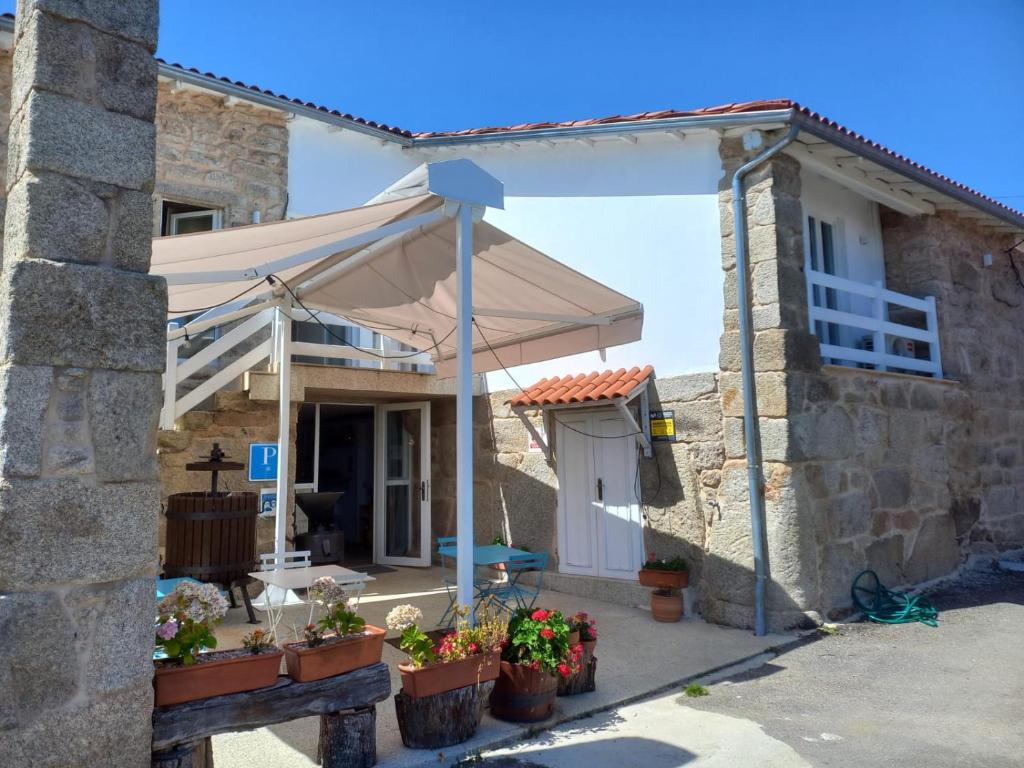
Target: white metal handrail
[[877, 323], [385, 354]]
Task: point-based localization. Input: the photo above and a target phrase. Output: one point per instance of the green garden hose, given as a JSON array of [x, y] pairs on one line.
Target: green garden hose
[[887, 607]]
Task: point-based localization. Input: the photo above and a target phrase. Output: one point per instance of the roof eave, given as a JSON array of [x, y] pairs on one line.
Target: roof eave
[[276, 102], [876, 155], [741, 119]]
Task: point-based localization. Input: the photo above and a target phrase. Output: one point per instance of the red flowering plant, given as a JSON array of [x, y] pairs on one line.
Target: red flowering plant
[[585, 625], [539, 639]]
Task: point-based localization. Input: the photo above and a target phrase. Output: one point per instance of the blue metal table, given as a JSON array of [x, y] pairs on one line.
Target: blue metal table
[[485, 554]]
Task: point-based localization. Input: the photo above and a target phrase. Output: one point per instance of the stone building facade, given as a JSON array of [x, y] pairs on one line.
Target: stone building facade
[[218, 153]]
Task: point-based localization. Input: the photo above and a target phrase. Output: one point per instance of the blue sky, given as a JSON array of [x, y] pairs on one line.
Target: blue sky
[[941, 81]]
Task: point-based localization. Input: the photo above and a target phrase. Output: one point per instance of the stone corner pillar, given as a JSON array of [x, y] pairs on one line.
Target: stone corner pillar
[[81, 353], [786, 354]]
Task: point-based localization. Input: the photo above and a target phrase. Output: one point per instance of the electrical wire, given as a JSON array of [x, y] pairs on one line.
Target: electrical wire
[[214, 306], [553, 417], [274, 279], [1013, 262]]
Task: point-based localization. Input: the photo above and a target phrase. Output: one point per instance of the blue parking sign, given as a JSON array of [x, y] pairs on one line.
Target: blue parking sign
[[262, 461]]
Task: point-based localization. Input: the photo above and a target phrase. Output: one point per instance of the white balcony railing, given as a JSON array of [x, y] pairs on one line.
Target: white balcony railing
[[855, 324]]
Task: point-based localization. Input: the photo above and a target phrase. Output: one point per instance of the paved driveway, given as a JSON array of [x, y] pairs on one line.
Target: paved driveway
[[871, 695]]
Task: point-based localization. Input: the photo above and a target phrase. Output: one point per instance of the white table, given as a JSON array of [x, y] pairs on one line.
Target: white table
[[286, 580]]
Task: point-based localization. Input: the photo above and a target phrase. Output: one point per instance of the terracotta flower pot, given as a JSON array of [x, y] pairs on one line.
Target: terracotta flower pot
[[334, 658], [214, 674], [574, 637], [522, 694], [666, 607], [449, 675], [664, 579]]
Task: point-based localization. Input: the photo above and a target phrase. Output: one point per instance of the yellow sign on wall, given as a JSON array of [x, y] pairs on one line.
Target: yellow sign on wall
[[663, 425]]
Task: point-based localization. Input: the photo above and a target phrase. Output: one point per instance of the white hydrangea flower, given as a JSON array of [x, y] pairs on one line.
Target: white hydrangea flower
[[327, 591], [401, 617]]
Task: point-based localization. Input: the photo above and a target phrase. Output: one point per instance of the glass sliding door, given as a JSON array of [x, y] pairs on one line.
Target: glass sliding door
[[402, 514]]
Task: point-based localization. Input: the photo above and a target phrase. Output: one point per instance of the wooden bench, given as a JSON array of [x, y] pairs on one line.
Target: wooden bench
[[346, 705]]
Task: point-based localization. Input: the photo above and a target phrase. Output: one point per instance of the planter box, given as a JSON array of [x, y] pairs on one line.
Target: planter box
[[308, 664], [664, 579], [447, 676], [219, 673], [523, 695]]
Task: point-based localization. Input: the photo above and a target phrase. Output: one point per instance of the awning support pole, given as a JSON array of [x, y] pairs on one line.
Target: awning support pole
[[284, 418], [464, 405]]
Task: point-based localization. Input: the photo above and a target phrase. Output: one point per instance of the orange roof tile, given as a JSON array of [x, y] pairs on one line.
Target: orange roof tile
[[583, 388]]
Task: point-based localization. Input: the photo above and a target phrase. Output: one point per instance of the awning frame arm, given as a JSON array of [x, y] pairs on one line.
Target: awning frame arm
[[313, 254], [517, 314]]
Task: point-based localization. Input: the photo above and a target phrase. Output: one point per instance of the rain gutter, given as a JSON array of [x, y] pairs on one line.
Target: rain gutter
[[751, 427]]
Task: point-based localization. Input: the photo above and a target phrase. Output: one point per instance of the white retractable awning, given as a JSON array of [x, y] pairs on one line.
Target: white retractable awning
[[528, 307], [424, 269]]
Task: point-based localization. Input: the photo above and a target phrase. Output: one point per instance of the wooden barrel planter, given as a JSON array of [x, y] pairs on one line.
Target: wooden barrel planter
[[522, 694], [211, 537], [442, 719]]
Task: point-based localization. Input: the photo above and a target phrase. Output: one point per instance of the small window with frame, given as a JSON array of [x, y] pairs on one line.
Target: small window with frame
[[185, 219]]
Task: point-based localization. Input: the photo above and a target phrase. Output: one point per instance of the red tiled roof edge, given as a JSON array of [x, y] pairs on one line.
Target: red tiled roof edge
[[723, 109], [583, 387]]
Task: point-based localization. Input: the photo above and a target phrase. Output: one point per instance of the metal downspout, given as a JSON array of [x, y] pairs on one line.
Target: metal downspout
[[751, 428]]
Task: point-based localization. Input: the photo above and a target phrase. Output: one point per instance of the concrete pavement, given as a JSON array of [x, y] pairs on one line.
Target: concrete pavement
[[871, 695]]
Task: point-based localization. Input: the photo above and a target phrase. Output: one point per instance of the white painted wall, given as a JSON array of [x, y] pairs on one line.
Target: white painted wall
[[331, 170], [642, 218]]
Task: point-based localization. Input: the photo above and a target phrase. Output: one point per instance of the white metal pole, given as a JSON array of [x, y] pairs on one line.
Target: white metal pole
[[284, 413], [170, 382], [464, 405]]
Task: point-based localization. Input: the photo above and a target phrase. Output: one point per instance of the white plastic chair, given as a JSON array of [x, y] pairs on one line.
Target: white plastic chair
[[273, 600]]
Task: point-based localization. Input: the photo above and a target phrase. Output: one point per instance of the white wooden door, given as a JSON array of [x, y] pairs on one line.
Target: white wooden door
[[599, 525], [401, 524]]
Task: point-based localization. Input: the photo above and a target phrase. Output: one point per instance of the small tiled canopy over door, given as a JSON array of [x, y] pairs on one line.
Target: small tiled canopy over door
[[599, 524], [597, 437]]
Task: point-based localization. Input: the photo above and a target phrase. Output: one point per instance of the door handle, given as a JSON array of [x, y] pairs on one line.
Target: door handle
[[600, 489], [423, 490]]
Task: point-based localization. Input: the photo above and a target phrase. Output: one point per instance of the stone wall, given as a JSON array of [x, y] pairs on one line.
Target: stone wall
[[81, 353], [214, 154], [513, 489], [980, 317], [234, 422], [680, 482]]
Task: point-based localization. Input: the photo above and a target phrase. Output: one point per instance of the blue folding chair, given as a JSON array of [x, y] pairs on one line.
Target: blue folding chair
[[515, 593], [448, 578]]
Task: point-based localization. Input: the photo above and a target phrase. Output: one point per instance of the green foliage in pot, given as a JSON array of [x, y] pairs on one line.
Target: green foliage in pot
[[656, 564]]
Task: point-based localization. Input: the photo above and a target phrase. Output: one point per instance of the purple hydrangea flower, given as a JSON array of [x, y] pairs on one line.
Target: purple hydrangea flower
[[168, 630]]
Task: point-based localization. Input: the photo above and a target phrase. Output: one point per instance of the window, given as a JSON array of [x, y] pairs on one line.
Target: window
[[822, 258], [184, 219]]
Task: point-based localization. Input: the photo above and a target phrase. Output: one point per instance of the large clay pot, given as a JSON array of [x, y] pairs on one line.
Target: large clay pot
[[522, 694], [447, 676], [664, 579], [334, 658], [214, 674], [574, 637], [666, 606]]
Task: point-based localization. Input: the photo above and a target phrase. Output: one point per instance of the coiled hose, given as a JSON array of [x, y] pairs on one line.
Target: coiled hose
[[883, 605]]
